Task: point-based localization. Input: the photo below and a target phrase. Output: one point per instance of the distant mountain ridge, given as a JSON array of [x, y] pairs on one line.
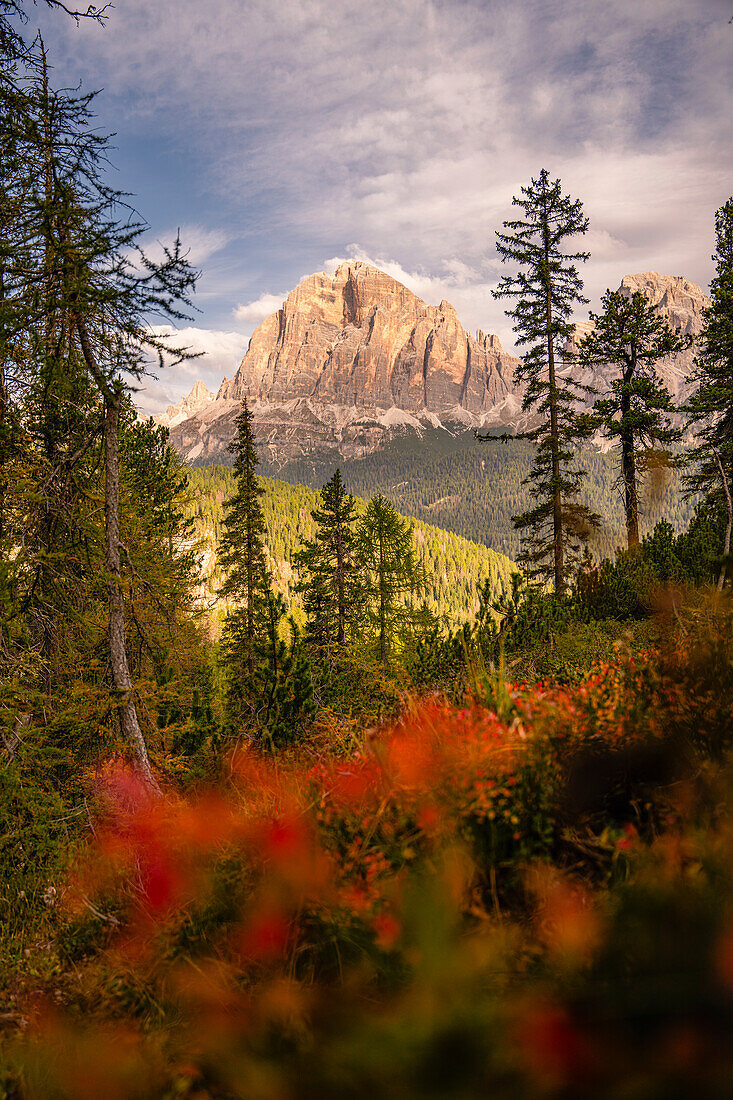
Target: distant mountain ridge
[[681, 304], [351, 360]]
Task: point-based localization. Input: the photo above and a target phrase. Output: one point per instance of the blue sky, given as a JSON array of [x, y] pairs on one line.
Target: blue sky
[[283, 135]]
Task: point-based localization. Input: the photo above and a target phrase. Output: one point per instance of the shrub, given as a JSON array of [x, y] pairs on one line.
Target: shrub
[[529, 895]]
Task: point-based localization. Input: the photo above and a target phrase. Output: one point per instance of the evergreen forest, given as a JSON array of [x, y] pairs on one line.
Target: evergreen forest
[[448, 481], [454, 567]]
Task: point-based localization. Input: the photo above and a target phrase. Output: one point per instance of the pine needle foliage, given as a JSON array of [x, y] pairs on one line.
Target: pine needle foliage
[[242, 551], [710, 409], [329, 584], [637, 410], [386, 555], [547, 287]]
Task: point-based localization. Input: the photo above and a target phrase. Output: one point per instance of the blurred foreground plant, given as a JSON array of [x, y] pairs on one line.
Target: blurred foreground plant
[[530, 899]]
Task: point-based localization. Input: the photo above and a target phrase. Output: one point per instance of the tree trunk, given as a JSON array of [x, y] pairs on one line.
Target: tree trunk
[[126, 710], [628, 474], [116, 629], [628, 456], [729, 524], [555, 451]]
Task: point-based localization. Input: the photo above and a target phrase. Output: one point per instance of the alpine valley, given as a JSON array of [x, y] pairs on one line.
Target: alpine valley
[[356, 371]]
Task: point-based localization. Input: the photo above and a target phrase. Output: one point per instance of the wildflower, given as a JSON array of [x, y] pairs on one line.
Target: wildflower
[[387, 930]]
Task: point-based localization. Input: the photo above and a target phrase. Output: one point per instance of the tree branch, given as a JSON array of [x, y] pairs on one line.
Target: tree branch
[[98, 15]]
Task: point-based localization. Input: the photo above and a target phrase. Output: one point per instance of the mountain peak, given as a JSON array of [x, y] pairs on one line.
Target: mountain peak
[[353, 358], [359, 337], [199, 397]]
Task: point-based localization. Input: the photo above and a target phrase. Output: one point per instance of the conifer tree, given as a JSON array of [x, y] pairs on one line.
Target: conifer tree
[[282, 681], [269, 682], [710, 409], [158, 536], [79, 319], [242, 557], [547, 287], [632, 338], [329, 580], [391, 574]]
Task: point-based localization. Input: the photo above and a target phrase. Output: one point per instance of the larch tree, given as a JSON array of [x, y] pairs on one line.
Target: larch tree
[[91, 298], [547, 287], [631, 338], [110, 302], [710, 408]]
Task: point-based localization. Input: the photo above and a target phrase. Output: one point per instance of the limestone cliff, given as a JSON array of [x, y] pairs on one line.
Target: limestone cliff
[[359, 338], [680, 303], [199, 397], [352, 359]]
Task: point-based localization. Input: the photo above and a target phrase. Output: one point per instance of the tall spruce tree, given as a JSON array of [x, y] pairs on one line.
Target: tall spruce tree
[[547, 287], [391, 573], [242, 557], [710, 408], [629, 336], [329, 581]]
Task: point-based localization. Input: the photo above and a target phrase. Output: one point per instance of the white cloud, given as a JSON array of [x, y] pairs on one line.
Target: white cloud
[[222, 354], [198, 243], [255, 312], [201, 243], [409, 126]]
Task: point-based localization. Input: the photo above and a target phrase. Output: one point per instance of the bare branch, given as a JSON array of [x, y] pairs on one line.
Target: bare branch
[[98, 15]]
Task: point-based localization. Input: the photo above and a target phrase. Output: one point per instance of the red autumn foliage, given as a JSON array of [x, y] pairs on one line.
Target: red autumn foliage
[[433, 895]]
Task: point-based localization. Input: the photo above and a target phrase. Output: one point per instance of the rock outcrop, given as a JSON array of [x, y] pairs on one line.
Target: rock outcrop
[[349, 361], [197, 400], [680, 303]]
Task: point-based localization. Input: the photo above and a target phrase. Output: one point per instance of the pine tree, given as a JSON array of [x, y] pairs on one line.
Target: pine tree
[[328, 577], [710, 409], [391, 574], [283, 682], [631, 337], [158, 537], [547, 287]]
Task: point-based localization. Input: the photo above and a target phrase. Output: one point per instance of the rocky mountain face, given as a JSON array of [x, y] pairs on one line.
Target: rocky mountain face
[[680, 303], [359, 338], [353, 359], [196, 401], [346, 363]]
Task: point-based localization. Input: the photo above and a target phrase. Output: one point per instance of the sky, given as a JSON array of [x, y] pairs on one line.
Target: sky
[[282, 136]]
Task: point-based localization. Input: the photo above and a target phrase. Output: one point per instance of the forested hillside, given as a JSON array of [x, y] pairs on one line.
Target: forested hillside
[[474, 489], [454, 567]]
